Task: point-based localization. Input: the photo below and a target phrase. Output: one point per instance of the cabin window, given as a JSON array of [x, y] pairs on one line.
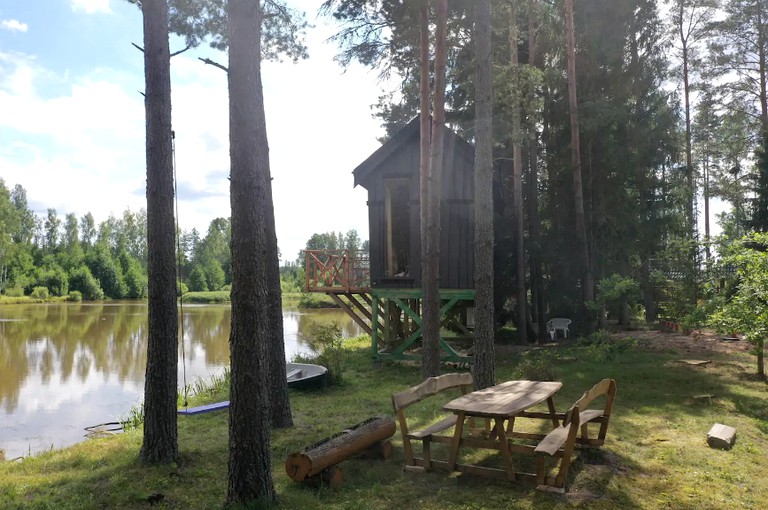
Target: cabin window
[[398, 235]]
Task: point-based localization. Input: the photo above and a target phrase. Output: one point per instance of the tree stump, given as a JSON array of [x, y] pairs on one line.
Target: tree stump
[[367, 437], [721, 436]]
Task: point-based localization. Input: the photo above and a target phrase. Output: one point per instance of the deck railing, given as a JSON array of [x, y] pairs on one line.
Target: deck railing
[[337, 271]]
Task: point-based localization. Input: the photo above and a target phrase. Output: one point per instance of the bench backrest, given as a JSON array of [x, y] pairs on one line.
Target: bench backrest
[[431, 386], [605, 387]]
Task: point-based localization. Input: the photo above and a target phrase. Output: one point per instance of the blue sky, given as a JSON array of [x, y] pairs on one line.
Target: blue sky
[[72, 121]]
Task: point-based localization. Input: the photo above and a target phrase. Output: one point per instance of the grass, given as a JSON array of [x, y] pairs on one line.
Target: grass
[[655, 456]]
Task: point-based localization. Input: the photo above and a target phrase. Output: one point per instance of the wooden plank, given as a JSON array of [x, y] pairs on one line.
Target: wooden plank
[[203, 409], [505, 399], [360, 322]]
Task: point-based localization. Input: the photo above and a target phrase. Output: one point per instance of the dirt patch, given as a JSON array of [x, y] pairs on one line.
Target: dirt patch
[[698, 344]]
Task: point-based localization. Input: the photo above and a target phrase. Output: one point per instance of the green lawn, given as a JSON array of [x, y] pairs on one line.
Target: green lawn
[[655, 456]]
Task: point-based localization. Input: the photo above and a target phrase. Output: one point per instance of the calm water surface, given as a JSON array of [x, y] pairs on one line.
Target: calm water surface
[[67, 366]]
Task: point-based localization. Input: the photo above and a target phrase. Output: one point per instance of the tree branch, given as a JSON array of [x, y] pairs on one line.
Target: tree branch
[[181, 51], [137, 47], [215, 64]]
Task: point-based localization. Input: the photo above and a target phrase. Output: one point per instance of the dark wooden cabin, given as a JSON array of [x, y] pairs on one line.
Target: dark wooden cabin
[[391, 176], [381, 290]]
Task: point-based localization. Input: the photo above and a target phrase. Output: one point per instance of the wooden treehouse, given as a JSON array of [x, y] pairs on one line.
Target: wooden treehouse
[[381, 290]]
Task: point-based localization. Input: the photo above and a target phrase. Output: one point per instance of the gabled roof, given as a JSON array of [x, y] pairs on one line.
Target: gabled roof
[[391, 146]]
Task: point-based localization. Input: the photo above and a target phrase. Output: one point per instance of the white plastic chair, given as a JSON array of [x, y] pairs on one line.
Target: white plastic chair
[[558, 324]]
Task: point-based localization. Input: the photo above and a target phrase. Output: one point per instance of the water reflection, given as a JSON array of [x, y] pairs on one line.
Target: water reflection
[[66, 366]]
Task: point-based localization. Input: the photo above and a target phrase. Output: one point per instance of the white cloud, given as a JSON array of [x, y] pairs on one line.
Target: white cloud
[[76, 142], [91, 6], [13, 25]]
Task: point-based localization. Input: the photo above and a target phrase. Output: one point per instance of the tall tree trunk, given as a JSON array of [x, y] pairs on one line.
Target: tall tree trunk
[[160, 444], [517, 188], [537, 286], [707, 249], [431, 235], [485, 324], [587, 283], [250, 475], [690, 192], [279, 402]]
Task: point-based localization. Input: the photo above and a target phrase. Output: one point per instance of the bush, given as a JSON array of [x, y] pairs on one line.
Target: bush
[[40, 293], [83, 281], [75, 296], [602, 346], [538, 365], [14, 292], [326, 340]]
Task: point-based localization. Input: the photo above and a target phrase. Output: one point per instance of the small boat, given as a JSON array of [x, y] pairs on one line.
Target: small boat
[[299, 375], [305, 376]]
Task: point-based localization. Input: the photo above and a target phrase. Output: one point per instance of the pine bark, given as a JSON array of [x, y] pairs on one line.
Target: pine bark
[[587, 283], [250, 475], [431, 234], [483, 369], [537, 286], [517, 190], [160, 441]]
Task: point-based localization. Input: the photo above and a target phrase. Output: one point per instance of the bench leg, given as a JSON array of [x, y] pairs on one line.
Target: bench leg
[[427, 453]]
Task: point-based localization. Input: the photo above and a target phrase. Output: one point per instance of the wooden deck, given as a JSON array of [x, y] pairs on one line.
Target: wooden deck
[[337, 271], [391, 315]]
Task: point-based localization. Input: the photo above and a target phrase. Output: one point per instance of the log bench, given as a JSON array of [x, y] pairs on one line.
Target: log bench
[[318, 463], [561, 441], [404, 399]]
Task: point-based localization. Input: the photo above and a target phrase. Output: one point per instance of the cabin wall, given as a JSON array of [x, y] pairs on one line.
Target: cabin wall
[[457, 215]]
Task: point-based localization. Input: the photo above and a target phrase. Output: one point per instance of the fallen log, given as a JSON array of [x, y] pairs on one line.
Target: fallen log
[[367, 437]]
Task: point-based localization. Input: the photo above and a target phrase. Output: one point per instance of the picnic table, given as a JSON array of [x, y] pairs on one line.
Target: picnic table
[[500, 404]]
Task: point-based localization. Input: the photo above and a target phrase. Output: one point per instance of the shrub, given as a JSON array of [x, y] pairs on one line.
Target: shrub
[[14, 292], [75, 295], [602, 346], [83, 281], [326, 340], [538, 365], [40, 293]]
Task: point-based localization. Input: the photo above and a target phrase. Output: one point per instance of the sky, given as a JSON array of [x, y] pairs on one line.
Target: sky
[[72, 121]]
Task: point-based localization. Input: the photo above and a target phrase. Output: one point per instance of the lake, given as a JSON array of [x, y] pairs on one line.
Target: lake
[[67, 366]]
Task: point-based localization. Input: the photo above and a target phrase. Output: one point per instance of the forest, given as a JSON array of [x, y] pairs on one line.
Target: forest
[[78, 259], [671, 116]]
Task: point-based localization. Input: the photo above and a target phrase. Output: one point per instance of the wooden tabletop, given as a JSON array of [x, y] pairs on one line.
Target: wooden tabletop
[[505, 399]]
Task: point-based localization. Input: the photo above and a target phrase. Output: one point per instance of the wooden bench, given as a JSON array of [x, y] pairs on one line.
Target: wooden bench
[[402, 400], [561, 441]]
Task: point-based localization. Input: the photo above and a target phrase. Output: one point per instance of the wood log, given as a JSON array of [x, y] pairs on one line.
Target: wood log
[[346, 444], [332, 476]]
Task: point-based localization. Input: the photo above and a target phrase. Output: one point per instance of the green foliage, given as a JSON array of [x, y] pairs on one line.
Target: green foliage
[[181, 288], [315, 300], [55, 279], [326, 340], [198, 281], [214, 275], [109, 274], [219, 296], [602, 346], [134, 276], [134, 419], [14, 291], [538, 364], [83, 281], [75, 296], [746, 310], [39, 293]]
